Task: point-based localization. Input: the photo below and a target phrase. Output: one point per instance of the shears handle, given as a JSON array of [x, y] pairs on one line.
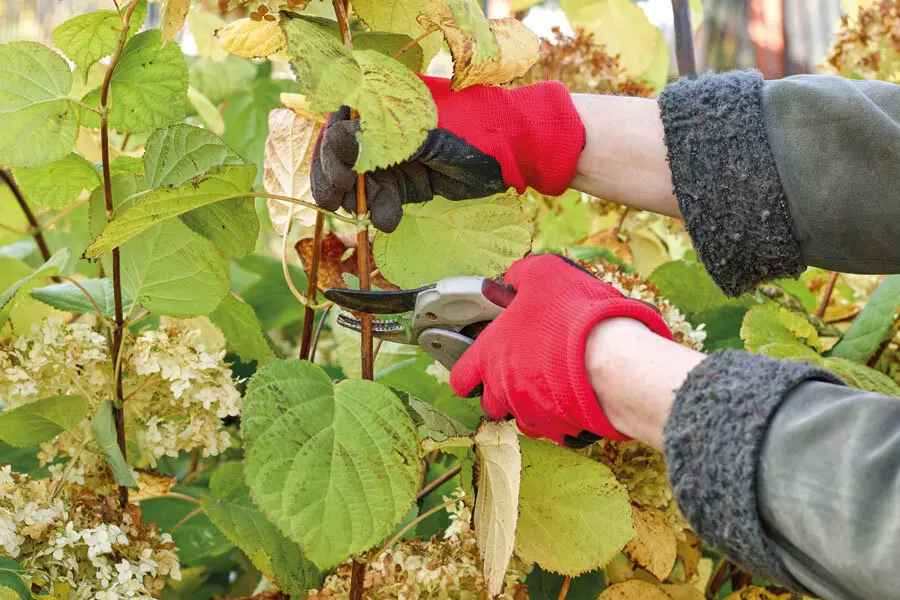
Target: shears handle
[[448, 346]]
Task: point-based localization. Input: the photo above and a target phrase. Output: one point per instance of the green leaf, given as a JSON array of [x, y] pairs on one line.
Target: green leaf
[[862, 377], [247, 118], [11, 574], [770, 324], [399, 16], [470, 20], [56, 185], [27, 311], [395, 107], [50, 268], [230, 508], [444, 238], [568, 224], [199, 541], [148, 89], [219, 79], [126, 165], [150, 208], [181, 152], [87, 38], [334, 467], [389, 44], [168, 268], [874, 323], [432, 422], [23, 460], [623, 28], [242, 329], [723, 327], [689, 287], [207, 111], [545, 585], [69, 297], [260, 281], [573, 514], [103, 427], [38, 121], [42, 420]]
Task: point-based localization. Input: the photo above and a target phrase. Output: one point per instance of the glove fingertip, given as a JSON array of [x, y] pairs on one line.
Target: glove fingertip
[[465, 376]]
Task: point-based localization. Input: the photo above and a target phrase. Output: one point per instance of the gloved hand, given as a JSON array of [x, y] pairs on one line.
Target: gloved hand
[[529, 363], [487, 140]]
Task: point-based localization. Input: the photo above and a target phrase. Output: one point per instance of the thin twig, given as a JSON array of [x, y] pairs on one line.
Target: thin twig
[[412, 43], [118, 409], [412, 524], [186, 518], [319, 327], [438, 482], [309, 313], [125, 141], [828, 291], [564, 590], [363, 223], [87, 295], [181, 496], [32, 220], [621, 222], [52, 221], [14, 229]]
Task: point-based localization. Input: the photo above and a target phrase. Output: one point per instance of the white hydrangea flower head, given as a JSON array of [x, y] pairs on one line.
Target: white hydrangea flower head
[[177, 384], [82, 542]]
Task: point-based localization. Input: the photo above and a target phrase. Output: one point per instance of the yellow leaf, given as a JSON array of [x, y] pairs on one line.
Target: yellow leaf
[[519, 49], [151, 485], [622, 26], [286, 166], [683, 591], [497, 498], [203, 26], [654, 547], [173, 16], [300, 105], [634, 589], [252, 39]]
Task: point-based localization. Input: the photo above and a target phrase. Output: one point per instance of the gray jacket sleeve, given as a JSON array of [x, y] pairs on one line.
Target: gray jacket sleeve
[[776, 463], [772, 177]]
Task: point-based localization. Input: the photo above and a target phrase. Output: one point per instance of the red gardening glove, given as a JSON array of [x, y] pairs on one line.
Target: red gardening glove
[[530, 360], [487, 140]]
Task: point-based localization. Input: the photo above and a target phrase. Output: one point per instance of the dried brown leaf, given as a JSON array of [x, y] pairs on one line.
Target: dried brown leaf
[[173, 15], [519, 49], [690, 553], [151, 485], [334, 262], [499, 475], [289, 150], [609, 239], [654, 547], [634, 590]]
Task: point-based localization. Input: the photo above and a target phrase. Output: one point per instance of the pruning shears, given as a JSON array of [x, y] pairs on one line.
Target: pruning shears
[[445, 317]]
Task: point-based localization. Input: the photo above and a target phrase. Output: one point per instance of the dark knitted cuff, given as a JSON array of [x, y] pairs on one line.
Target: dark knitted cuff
[[726, 180], [713, 440]]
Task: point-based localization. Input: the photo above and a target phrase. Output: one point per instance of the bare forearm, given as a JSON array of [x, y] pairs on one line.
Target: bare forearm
[[624, 159], [636, 374]]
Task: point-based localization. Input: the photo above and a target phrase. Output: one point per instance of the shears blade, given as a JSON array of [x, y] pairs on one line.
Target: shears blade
[[389, 330], [376, 302]]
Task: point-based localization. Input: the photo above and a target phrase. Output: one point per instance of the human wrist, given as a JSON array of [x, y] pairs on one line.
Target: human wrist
[[635, 375]]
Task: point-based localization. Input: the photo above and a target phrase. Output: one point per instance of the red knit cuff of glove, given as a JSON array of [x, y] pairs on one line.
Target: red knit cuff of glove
[[534, 132], [584, 400]]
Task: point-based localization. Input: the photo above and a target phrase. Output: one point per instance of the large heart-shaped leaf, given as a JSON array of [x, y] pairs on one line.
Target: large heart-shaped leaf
[[334, 467]]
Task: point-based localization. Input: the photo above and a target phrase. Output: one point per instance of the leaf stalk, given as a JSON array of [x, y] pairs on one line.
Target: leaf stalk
[[309, 315], [35, 226]]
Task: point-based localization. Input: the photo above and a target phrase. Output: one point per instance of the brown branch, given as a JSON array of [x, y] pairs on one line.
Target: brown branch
[[828, 291], [438, 482], [341, 9], [357, 574], [309, 314], [564, 590], [118, 410], [32, 220]]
